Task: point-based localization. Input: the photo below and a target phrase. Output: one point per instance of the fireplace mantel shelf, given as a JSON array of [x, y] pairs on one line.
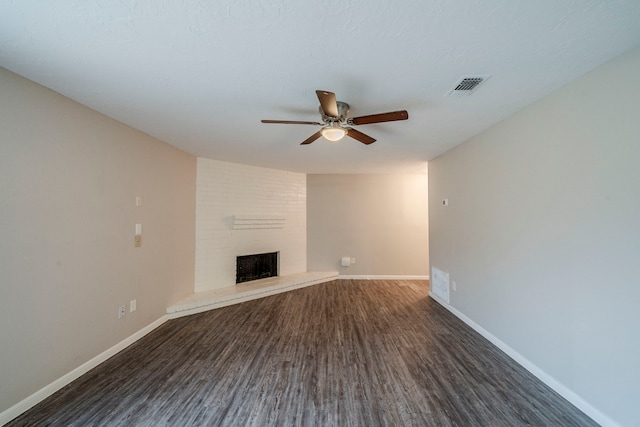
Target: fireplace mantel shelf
[[253, 222], [217, 298]]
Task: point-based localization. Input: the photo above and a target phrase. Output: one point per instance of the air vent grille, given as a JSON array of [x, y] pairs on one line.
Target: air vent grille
[[466, 85], [469, 83]]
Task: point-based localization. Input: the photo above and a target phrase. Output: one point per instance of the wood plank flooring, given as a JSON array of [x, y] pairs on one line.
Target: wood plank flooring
[[342, 353]]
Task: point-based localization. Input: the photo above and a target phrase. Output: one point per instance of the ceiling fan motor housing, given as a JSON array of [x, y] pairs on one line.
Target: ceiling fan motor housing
[[343, 110]]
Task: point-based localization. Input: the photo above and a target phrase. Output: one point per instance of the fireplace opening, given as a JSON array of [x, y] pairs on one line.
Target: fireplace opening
[[257, 266]]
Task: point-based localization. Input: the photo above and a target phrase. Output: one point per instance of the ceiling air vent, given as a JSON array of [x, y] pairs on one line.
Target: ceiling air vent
[[467, 85]]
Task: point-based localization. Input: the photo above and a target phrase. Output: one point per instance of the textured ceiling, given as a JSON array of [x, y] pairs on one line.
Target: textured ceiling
[[201, 74]]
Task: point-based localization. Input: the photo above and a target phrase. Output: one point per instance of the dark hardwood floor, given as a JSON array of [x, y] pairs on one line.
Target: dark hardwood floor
[[343, 353]]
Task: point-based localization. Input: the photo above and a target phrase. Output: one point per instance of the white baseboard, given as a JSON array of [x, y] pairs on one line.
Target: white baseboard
[[49, 389], [381, 277], [557, 386]]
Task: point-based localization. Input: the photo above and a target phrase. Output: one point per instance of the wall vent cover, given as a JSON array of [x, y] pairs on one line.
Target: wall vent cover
[[466, 85], [440, 284]]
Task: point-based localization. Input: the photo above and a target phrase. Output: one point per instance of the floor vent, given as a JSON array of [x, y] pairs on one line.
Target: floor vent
[[467, 85]]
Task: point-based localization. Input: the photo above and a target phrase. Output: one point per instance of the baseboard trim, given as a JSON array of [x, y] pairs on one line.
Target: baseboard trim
[[557, 386], [26, 404], [380, 277]]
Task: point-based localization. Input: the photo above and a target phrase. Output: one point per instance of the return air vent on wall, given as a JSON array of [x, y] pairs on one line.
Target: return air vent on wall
[[440, 284], [467, 85]]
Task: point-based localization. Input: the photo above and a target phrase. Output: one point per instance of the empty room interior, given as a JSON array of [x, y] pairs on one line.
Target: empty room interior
[[320, 213]]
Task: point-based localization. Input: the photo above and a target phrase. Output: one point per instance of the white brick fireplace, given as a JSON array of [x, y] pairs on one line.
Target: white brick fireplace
[[243, 210]]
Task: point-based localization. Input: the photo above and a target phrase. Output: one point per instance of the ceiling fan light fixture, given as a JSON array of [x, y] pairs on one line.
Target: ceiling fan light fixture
[[333, 134]]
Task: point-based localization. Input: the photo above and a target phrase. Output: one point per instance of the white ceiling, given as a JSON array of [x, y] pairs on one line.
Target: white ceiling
[[201, 74]]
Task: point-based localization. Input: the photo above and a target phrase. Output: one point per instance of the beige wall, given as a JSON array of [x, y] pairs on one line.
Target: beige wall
[[381, 220], [542, 234], [68, 181]]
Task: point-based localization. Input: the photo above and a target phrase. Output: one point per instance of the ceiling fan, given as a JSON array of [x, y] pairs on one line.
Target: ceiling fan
[[335, 124]]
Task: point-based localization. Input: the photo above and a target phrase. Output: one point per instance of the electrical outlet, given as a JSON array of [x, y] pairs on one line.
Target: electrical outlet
[[453, 285], [353, 260], [138, 241], [122, 311], [132, 306]]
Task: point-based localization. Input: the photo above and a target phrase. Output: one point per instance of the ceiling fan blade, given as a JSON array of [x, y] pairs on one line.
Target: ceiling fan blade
[[328, 103], [356, 134], [290, 122], [379, 118], [312, 138]]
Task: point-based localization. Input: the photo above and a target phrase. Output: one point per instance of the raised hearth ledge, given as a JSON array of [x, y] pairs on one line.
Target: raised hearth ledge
[[247, 291]]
